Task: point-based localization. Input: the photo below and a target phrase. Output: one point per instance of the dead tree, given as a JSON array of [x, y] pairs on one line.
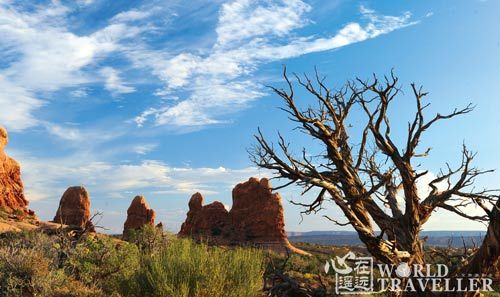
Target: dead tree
[[365, 173]]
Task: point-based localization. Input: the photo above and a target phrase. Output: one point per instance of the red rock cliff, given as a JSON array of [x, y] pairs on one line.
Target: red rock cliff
[[11, 187]]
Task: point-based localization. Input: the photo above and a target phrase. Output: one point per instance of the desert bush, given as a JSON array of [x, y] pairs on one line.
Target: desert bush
[[153, 264], [149, 239], [103, 262], [30, 265], [27, 265], [185, 268], [73, 288]]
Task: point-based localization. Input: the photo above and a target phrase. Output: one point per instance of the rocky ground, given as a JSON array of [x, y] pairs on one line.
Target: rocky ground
[[21, 222]]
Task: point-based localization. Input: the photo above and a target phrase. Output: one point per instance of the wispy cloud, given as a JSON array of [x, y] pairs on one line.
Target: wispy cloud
[[201, 84], [244, 19], [82, 139], [17, 114], [249, 34], [42, 56], [47, 178], [114, 83], [67, 133], [50, 56], [132, 15], [143, 149], [85, 2], [80, 93]]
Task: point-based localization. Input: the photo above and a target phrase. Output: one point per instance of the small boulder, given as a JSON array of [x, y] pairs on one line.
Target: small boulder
[[74, 208], [138, 215]]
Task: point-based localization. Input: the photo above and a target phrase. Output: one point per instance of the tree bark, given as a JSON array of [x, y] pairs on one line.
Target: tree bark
[[486, 259]]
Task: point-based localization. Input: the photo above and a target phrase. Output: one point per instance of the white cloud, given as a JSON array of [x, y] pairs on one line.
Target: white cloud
[[114, 83], [17, 106], [131, 15], [86, 138], [62, 132], [424, 188], [44, 56], [249, 33], [46, 178], [144, 149], [217, 96], [179, 69], [80, 93], [442, 219], [50, 56], [244, 19], [85, 2]]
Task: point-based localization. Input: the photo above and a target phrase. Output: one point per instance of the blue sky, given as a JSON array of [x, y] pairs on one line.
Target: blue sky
[[162, 98]]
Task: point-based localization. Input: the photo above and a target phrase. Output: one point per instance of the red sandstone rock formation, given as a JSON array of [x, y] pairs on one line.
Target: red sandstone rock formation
[[138, 215], [257, 212], [209, 220], [256, 218], [11, 187], [74, 208]]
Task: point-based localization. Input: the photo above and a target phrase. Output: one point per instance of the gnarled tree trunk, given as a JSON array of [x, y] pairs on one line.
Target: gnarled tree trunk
[[364, 179]]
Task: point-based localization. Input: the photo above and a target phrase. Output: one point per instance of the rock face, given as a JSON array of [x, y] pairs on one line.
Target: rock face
[[11, 187], [256, 218], [74, 208], [138, 215], [209, 220], [257, 212]]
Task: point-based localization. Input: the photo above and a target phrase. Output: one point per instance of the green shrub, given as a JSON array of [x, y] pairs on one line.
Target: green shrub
[[27, 272], [103, 262], [153, 264], [184, 268], [30, 265], [73, 288], [149, 239]]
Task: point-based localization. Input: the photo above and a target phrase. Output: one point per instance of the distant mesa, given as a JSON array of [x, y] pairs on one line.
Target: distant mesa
[[256, 218], [74, 208], [11, 186], [138, 215]]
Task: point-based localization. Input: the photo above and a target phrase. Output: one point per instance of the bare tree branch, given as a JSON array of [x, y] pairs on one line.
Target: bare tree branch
[[368, 175]]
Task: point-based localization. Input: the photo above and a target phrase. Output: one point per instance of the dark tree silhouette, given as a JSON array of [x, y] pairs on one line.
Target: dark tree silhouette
[[364, 174]]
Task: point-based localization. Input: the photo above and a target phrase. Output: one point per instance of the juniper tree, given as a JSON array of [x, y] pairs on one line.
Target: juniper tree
[[364, 174]]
